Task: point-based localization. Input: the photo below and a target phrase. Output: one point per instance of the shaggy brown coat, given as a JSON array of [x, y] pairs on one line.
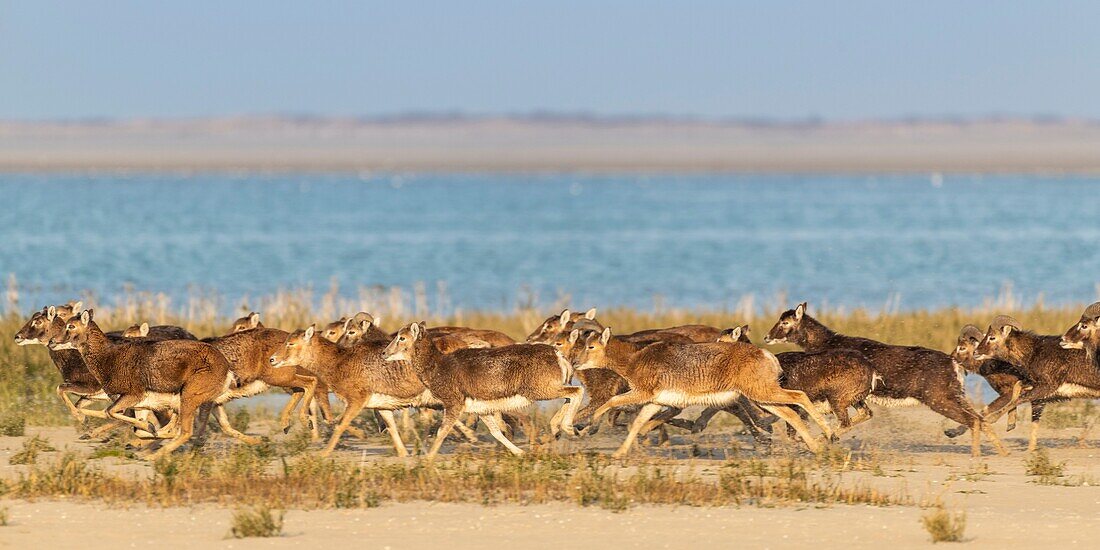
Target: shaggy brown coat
[[486, 381], [146, 374], [909, 374], [1052, 370], [679, 375]]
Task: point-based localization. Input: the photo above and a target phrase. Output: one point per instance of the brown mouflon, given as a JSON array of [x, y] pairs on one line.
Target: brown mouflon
[[678, 375], [1004, 378], [485, 381], [248, 322], [834, 380], [359, 376], [910, 375], [158, 332], [1053, 371], [170, 374]]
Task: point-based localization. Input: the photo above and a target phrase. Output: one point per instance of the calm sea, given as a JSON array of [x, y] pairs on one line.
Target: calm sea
[[493, 240]]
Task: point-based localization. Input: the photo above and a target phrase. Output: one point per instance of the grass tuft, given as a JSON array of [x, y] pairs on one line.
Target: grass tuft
[[31, 448], [12, 423], [944, 526], [298, 441], [257, 521], [1042, 467]]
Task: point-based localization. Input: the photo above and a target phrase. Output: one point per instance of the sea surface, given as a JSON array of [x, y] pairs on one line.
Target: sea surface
[[492, 241]]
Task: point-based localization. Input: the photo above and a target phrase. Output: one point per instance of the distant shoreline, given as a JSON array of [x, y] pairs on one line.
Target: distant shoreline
[[526, 145]]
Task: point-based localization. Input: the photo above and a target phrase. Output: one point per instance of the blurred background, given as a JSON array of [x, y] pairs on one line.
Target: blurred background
[[492, 156]]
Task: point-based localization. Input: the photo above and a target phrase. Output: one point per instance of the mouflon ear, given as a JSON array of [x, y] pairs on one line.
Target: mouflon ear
[[77, 306], [414, 329], [564, 317], [51, 312], [86, 316], [605, 336], [308, 335], [800, 311], [573, 336], [735, 333], [254, 319], [590, 314], [144, 330]]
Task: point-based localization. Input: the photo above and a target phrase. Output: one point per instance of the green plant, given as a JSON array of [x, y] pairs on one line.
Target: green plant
[[116, 447], [12, 423], [1040, 465], [239, 418], [31, 448], [257, 521], [296, 442], [944, 526]]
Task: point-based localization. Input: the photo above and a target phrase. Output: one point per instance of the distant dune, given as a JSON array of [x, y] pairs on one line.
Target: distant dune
[[552, 143]]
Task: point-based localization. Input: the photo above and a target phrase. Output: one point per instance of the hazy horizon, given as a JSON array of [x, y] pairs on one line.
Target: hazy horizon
[[793, 62]]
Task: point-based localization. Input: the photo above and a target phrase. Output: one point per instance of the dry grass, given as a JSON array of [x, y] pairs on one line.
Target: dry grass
[[30, 451], [262, 475], [256, 521], [1045, 470], [944, 526]]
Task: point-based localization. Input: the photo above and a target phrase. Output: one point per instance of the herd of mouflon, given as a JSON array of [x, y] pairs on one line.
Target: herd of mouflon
[[163, 383]]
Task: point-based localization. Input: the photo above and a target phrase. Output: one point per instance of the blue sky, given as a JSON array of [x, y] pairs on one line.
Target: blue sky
[[790, 60]]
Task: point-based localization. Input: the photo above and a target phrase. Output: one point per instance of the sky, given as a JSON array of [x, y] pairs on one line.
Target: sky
[[755, 59]]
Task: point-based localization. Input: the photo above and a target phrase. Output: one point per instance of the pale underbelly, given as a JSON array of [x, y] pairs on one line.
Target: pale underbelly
[[680, 399], [247, 390], [1076, 390], [891, 402], [488, 406], [159, 401]]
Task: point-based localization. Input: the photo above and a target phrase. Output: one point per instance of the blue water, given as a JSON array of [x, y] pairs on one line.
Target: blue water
[[605, 240]]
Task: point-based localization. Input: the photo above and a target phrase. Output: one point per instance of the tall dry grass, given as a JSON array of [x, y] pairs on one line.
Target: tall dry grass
[[265, 477]]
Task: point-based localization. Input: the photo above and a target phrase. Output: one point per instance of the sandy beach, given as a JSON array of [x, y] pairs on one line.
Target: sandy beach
[[1003, 505], [552, 144]]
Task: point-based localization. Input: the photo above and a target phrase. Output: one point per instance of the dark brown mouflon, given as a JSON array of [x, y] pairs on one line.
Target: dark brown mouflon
[[157, 332], [909, 374], [1053, 371], [1004, 378], [149, 375]]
